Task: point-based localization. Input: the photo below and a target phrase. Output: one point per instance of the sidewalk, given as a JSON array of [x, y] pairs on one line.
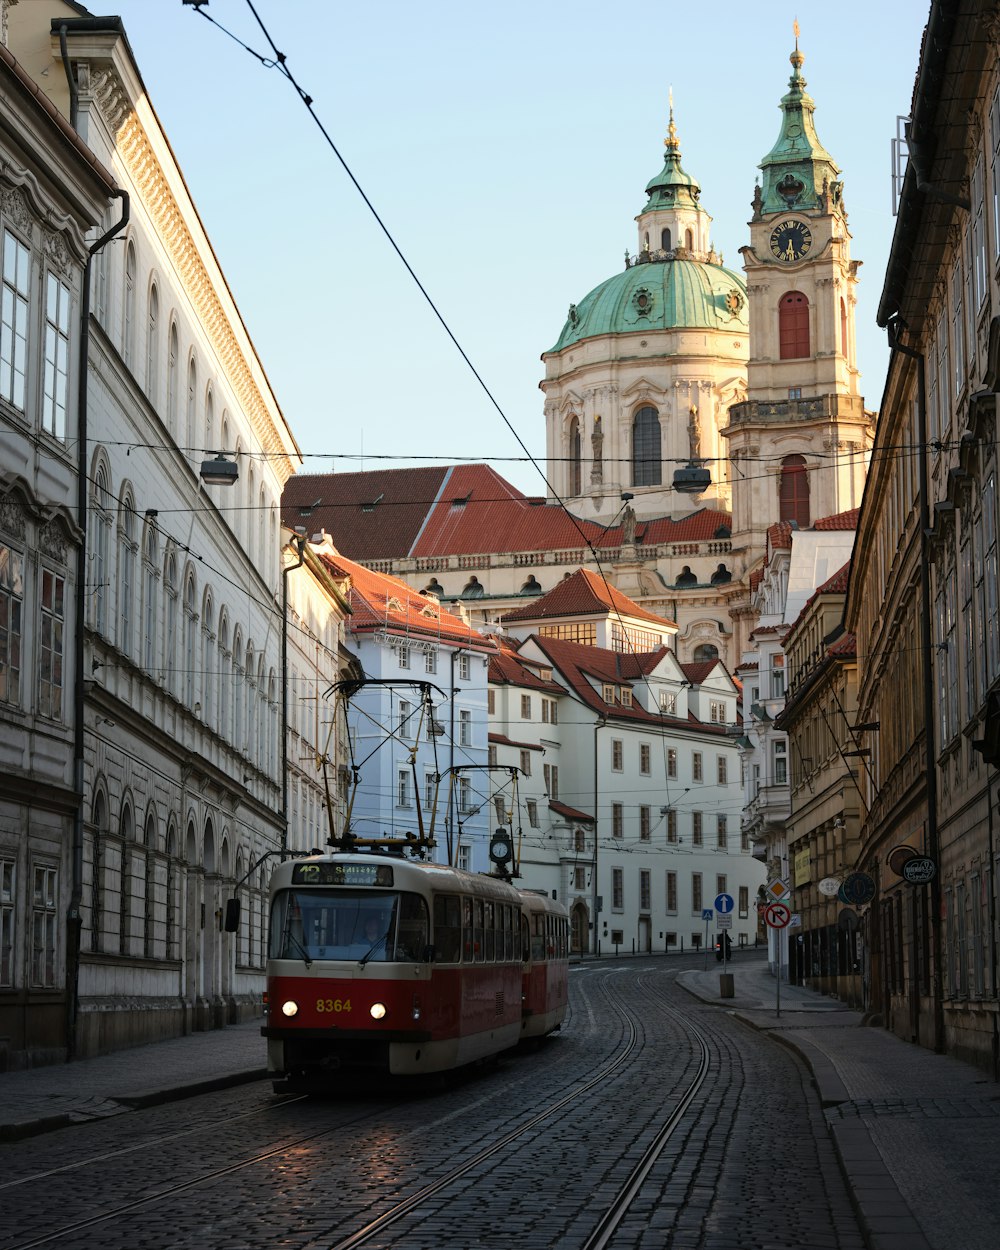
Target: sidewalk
[[917, 1133], [41, 1099]]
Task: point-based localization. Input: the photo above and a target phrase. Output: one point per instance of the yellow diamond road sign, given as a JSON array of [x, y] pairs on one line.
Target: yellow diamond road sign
[[777, 889]]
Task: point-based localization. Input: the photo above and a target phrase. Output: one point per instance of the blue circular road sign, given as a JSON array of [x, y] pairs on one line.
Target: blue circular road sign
[[724, 903]]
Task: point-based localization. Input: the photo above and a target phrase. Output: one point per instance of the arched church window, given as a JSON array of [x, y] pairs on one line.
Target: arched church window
[[793, 326], [665, 242], [689, 240], [843, 327], [575, 474], [646, 467], [686, 577], [531, 587], [473, 589], [645, 242], [705, 652], [793, 491], [721, 576], [433, 587]]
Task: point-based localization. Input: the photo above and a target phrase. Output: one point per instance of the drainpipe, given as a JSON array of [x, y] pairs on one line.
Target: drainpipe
[[300, 545], [74, 919], [895, 329], [74, 94], [593, 885]]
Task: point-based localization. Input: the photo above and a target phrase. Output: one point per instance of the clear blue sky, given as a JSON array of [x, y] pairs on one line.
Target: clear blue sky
[[507, 147]]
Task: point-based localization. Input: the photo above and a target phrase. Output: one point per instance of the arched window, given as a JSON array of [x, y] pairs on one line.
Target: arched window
[[99, 545], [150, 576], [247, 702], [208, 660], [793, 326], [272, 717], [152, 343], [99, 820], [236, 690], [262, 552], [173, 347], [473, 589], [128, 318], [126, 575], [170, 918], [575, 474], [433, 587], [793, 491], [705, 652], [126, 899], [843, 327], [209, 420], [645, 242], [721, 576], [686, 577], [191, 413], [225, 675], [170, 632], [149, 887], [190, 641], [665, 241], [689, 240], [532, 586], [646, 466]]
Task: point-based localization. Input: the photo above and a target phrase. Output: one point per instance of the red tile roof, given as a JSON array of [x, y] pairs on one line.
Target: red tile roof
[[696, 673], [571, 813], [839, 521], [846, 647], [779, 536], [464, 509], [382, 602], [835, 585], [508, 669], [504, 741], [583, 593]]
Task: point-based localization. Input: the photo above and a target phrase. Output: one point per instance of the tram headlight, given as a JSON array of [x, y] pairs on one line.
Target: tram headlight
[[377, 1011], [289, 1008]]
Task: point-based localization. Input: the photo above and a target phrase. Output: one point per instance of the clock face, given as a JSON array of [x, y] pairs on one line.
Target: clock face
[[790, 240], [499, 850]]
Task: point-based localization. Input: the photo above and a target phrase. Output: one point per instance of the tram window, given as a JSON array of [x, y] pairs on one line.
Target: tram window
[[411, 929], [314, 924], [477, 930], [467, 934], [508, 932], [447, 929], [538, 937], [525, 940], [489, 932]]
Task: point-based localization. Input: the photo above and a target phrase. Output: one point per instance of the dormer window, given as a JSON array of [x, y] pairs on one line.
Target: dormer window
[[626, 696], [608, 693]]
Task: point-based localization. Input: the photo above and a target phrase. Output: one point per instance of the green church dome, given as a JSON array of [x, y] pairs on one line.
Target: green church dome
[[659, 295]]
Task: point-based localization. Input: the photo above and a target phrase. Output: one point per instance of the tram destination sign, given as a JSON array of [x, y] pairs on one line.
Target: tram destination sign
[[326, 872]]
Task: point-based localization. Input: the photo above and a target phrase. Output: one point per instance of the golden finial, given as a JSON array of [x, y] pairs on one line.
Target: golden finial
[[796, 58], [671, 142]]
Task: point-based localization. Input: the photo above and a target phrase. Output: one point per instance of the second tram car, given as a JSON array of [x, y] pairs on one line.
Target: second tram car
[[405, 967]]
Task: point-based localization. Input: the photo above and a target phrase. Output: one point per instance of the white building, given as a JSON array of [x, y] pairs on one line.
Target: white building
[[181, 778], [418, 729], [647, 778]]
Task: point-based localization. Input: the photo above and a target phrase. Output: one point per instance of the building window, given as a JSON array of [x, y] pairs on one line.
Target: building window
[[532, 806], [744, 901], [7, 880], [56, 365], [126, 576], [491, 702], [464, 859], [780, 761], [128, 318], [491, 756], [404, 656], [430, 789], [149, 581], [671, 762], [672, 891], [11, 607], [697, 838], [645, 823], [793, 491], [793, 326], [405, 711], [608, 693], [646, 467], [465, 728], [723, 770], [403, 788], [671, 818], [464, 795], [625, 694], [795, 392], [525, 707], [717, 712], [617, 755], [579, 841], [777, 677], [617, 820], [44, 900], [464, 667], [551, 774], [526, 763], [50, 668], [618, 889], [579, 878], [14, 321], [550, 712], [697, 768], [575, 463], [152, 343], [645, 893], [722, 832], [500, 809], [696, 893], [645, 757]]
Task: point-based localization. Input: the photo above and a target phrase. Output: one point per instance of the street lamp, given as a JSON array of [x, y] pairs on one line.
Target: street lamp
[[219, 471]]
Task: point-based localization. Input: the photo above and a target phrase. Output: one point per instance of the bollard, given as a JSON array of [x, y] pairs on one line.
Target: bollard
[[726, 987]]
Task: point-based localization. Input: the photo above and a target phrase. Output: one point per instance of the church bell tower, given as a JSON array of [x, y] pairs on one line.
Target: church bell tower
[[799, 443]]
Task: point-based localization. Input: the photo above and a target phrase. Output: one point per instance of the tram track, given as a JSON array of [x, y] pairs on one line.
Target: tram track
[[634, 1023]]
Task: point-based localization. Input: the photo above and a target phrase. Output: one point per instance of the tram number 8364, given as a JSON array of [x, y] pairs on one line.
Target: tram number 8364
[[333, 1004]]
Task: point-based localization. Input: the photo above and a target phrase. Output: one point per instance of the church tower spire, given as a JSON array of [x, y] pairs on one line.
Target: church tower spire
[[672, 219], [799, 443]]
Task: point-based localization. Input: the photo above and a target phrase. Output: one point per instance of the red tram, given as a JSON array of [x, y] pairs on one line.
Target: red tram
[[405, 967]]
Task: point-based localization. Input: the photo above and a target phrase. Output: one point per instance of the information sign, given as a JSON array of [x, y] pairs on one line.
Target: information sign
[[919, 870], [707, 913], [723, 922]]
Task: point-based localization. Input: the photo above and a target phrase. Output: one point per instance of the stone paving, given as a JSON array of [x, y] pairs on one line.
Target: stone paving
[[917, 1134]]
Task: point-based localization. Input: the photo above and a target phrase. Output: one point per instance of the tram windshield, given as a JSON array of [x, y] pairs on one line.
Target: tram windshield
[[348, 924]]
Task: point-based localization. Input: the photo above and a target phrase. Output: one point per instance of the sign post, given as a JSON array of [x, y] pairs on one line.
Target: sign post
[[778, 916], [724, 906], [706, 915]]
